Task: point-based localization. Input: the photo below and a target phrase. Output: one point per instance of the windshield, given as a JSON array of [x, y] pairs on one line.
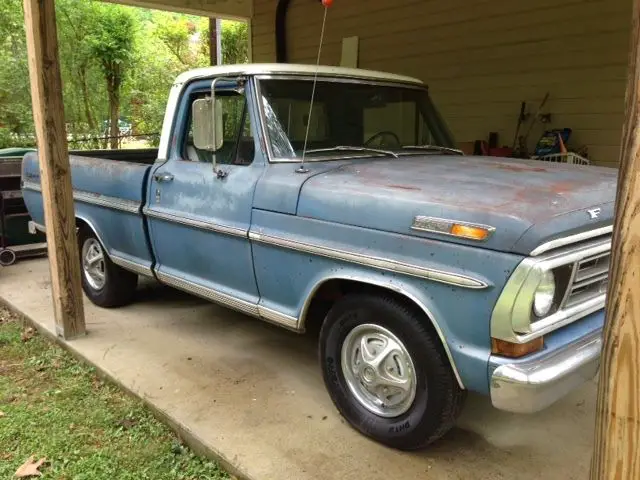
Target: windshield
[[349, 114]]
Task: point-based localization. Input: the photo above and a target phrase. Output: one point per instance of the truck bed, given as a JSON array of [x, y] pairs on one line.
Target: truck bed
[[145, 156], [109, 191]]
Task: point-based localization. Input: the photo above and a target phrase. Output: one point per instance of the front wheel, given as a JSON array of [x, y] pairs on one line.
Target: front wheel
[[387, 372], [105, 283]]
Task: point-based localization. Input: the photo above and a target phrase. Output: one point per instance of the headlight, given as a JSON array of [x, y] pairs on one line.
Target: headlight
[[544, 295]]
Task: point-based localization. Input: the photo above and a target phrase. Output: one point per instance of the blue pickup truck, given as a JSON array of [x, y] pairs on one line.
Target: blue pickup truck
[[427, 273]]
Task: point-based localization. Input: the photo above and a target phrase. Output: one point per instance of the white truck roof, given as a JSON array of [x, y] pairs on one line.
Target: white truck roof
[[292, 69]]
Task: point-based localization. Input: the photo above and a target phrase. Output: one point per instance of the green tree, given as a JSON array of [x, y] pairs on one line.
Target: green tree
[[115, 62], [235, 41], [84, 91], [112, 41], [177, 33], [16, 121]]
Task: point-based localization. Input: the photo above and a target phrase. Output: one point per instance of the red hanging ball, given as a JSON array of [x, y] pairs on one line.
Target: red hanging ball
[[327, 3]]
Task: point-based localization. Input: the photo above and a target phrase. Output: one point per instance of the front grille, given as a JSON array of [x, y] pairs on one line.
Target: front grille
[[590, 279]]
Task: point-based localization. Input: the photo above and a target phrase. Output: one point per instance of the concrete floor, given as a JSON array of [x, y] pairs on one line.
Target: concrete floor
[[253, 394]]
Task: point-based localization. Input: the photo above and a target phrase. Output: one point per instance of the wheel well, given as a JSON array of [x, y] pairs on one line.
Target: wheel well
[[83, 224], [332, 290], [80, 223]]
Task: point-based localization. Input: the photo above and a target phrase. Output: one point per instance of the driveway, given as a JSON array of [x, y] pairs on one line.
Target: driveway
[[253, 395]]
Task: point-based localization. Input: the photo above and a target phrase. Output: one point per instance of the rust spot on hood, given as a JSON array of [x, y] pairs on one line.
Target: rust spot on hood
[[404, 187], [519, 168], [564, 187]]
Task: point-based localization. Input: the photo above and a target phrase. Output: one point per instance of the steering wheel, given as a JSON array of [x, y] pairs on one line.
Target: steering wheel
[[387, 133]]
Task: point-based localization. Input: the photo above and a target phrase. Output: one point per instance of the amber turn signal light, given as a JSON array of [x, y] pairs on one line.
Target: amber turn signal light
[[469, 231], [516, 350]]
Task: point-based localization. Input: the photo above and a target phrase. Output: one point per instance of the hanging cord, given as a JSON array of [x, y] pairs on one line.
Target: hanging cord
[[301, 169]]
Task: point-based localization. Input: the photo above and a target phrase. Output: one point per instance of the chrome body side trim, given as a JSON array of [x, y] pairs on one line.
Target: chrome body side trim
[[208, 294], [571, 239], [530, 386], [195, 223], [442, 225], [375, 262], [229, 301], [108, 202], [512, 318], [273, 316], [29, 185], [134, 267], [396, 288], [114, 203]]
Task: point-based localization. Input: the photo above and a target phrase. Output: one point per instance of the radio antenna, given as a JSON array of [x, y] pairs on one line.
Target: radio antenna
[[326, 4]]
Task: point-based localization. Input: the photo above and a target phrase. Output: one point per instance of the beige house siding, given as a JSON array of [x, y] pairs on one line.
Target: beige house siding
[[481, 58]]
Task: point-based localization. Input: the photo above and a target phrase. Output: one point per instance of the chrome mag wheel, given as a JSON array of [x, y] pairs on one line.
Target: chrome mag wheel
[[93, 263], [378, 370]]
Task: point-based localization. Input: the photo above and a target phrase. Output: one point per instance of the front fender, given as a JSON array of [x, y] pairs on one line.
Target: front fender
[[310, 253], [399, 286]]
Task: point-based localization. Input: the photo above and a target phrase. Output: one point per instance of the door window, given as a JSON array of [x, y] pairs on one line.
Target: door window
[[238, 147]]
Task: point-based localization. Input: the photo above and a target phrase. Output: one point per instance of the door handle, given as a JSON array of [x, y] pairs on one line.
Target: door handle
[[163, 177]]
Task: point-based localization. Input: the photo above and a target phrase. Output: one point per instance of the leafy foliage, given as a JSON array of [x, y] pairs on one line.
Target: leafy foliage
[[235, 42], [117, 62], [111, 41], [15, 96]]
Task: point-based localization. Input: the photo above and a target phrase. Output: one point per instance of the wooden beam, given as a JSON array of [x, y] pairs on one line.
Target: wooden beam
[[55, 172], [617, 435], [229, 9]]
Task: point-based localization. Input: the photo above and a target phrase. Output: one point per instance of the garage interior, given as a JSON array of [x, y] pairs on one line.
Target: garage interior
[[481, 60]]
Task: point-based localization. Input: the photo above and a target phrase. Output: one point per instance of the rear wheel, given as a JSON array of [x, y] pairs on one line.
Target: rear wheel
[[7, 257], [387, 372], [105, 283]]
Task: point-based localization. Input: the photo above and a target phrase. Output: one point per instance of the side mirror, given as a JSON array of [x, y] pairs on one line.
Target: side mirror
[[207, 124]]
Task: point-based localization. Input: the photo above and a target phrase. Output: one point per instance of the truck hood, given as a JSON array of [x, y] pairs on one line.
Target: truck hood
[[528, 202]]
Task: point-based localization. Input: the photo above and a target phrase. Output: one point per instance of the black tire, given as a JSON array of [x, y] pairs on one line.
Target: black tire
[[7, 257], [119, 285], [438, 397]]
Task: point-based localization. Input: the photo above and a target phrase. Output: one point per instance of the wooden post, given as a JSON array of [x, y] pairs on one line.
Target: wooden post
[[617, 435], [55, 172], [213, 42]]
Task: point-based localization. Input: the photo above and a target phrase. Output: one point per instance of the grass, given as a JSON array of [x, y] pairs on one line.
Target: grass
[[56, 407]]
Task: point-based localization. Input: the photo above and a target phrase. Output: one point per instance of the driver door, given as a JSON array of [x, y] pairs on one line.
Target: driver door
[[198, 217]]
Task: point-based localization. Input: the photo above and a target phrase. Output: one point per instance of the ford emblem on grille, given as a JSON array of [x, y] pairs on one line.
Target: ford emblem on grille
[[594, 213]]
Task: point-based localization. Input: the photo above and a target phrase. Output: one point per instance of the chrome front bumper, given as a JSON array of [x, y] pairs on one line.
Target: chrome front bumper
[[529, 387]]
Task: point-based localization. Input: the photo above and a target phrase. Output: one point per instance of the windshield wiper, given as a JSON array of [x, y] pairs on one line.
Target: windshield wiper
[[433, 147], [346, 148]]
